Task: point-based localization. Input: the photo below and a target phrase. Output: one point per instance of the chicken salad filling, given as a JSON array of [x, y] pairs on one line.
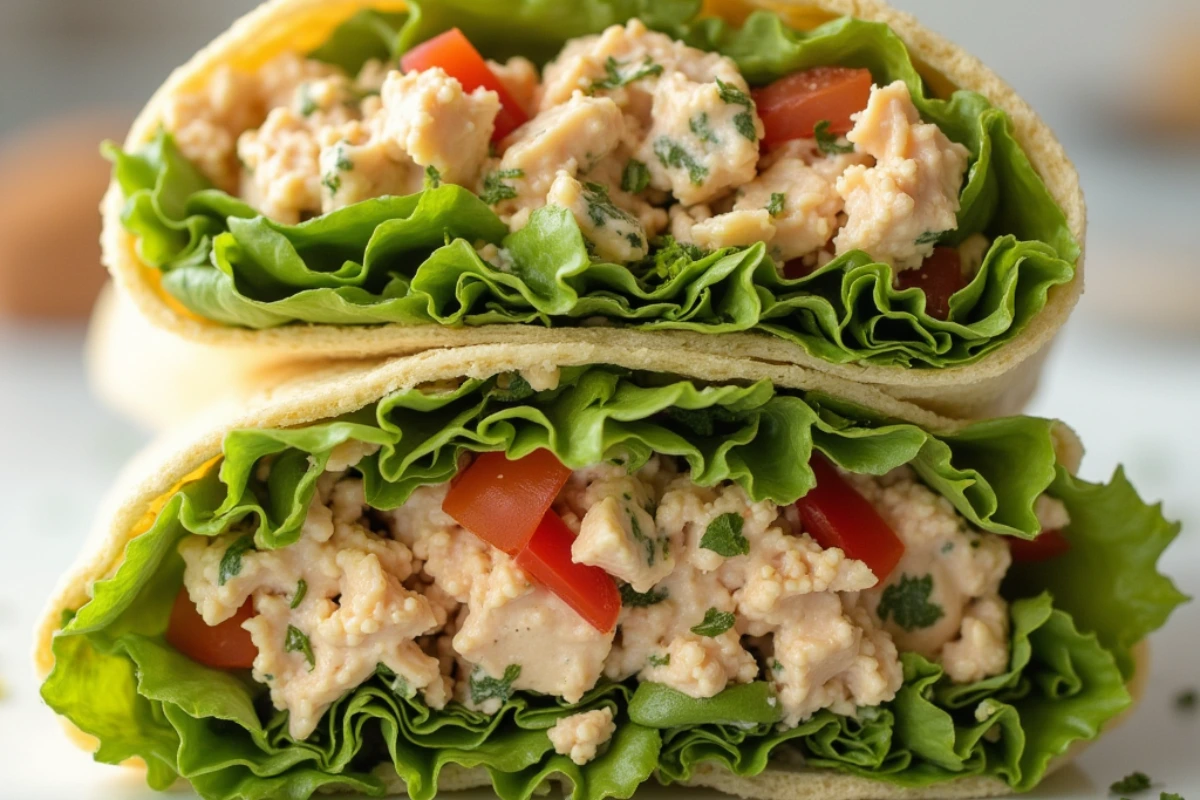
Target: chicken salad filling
[[616, 569], [641, 149]]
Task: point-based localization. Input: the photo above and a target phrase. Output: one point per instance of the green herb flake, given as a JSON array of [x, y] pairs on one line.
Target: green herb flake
[[600, 208], [635, 177], [301, 590], [744, 124], [674, 155], [776, 203], [828, 142], [907, 602], [1131, 783], [733, 95], [659, 661], [700, 126], [511, 387], [231, 562], [1186, 700], [484, 687], [929, 237], [398, 684], [433, 177], [715, 623], [495, 189], [308, 106], [615, 79], [776, 666], [724, 536], [632, 599], [648, 544], [297, 642], [1169, 796]]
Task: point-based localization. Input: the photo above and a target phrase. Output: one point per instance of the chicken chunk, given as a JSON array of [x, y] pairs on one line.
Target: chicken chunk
[[895, 208], [615, 233], [620, 537]]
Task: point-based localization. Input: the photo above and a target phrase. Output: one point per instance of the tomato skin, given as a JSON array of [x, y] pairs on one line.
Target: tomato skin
[[791, 107], [455, 54], [1047, 545], [590, 591], [223, 646], [939, 276], [836, 515], [502, 501]]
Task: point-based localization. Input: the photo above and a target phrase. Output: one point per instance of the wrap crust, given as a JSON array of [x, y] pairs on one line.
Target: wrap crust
[[310, 394], [1000, 383]]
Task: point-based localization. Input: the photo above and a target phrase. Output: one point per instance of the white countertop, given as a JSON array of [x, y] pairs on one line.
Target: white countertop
[[1131, 399]]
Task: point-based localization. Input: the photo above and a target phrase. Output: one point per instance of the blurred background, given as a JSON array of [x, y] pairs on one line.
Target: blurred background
[[1119, 83]]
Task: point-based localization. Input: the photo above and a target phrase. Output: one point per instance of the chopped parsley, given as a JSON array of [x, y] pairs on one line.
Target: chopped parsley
[[1169, 796], [700, 126], [297, 642], [615, 79], [632, 599], [1186, 700], [1133, 782], [948, 547], [715, 623], [724, 536], [649, 544], [231, 562], [659, 661], [733, 95], [600, 208], [743, 122], [674, 155], [484, 687], [907, 602], [397, 683], [301, 590], [929, 237], [511, 387], [342, 163], [494, 187], [433, 177], [776, 666], [308, 106], [635, 177], [828, 142], [776, 203]]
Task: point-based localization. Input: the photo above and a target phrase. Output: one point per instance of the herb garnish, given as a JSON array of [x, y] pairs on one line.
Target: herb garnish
[[724, 536], [494, 187], [743, 122], [433, 177], [484, 687], [907, 602], [635, 177], [776, 203], [672, 154], [297, 642], [1133, 782], [1186, 700], [397, 683], [929, 237], [231, 562], [615, 80], [659, 661], [699, 125], [715, 623], [301, 590], [632, 599], [828, 142]]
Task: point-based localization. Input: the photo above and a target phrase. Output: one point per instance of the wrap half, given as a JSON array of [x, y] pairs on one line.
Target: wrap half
[[705, 175], [606, 566]]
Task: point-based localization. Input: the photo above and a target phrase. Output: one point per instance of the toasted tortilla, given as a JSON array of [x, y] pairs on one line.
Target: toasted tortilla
[[1000, 383], [312, 394]]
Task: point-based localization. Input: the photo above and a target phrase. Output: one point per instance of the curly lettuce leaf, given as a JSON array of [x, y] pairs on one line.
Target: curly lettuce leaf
[[116, 679], [220, 265]]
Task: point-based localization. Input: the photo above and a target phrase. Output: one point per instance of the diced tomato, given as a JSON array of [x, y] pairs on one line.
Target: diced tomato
[[224, 646], [502, 501], [791, 107], [454, 53], [589, 590], [1047, 545], [836, 515], [796, 268], [939, 276]]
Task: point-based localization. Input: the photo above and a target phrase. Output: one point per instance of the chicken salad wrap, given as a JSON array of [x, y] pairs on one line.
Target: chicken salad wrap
[[605, 567], [820, 183]]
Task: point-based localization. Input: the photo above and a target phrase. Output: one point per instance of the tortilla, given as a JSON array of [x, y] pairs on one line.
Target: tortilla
[[339, 388], [999, 383]]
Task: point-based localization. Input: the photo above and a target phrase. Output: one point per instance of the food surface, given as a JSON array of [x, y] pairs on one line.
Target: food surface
[[615, 577], [620, 179]]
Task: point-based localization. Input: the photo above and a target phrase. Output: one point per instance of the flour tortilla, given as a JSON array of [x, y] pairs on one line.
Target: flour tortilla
[[329, 390], [1000, 383]]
